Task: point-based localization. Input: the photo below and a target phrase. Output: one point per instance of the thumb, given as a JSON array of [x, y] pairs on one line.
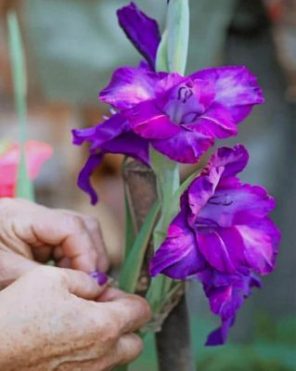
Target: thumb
[[81, 284]]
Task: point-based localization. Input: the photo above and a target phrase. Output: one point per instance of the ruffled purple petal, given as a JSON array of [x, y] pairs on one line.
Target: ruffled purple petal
[[186, 147], [141, 30], [112, 136], [130, 86], [101, 133], [83, 182], [226, 294], [148, 121], [260, 241], [178, 256], [216, 122], [233, 160], [235, 88], [219, 255], [239, 205], [129, 144], [219, 336], [201, 190]]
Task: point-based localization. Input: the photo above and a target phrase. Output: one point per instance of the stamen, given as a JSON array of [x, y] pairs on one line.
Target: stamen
[[184, 93]]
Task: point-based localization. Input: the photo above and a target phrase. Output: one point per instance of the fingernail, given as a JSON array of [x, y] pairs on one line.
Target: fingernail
[[100, 277]]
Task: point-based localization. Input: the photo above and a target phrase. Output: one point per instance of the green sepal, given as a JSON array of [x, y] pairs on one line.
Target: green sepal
[[178, 35], [130, 233], [162, 63]]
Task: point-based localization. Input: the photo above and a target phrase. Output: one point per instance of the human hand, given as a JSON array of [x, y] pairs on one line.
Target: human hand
[[31, 233], [49, 322]]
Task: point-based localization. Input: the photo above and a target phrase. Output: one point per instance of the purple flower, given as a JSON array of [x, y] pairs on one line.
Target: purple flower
[[182, 116], [111, 136], [222, 236], [179, 116]]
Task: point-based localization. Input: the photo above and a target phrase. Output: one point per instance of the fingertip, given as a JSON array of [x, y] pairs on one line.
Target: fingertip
[[100, 277], [103, 263], [83, 263], [82, 285]]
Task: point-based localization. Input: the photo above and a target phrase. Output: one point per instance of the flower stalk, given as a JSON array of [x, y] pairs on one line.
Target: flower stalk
[[24, 188]]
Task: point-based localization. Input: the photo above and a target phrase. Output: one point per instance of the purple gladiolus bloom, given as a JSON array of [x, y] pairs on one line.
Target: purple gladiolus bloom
[[182, 116], [222, 236]]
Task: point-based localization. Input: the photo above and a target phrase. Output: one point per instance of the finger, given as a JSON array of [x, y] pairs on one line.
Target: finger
[[127, 349], [130, 312], [94, 229], [69, 231], [64, 263], [80, 284], [111, 294]]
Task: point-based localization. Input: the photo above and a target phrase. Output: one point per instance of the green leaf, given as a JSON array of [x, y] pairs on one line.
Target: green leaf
[[178, 35], [132, 266], [168, 181], [24, 187], [130, 234]]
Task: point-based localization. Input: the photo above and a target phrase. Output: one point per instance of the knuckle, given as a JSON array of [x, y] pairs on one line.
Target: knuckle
[[110, 332], [132, 350], [144, 307], [76, 223], [92, 222]]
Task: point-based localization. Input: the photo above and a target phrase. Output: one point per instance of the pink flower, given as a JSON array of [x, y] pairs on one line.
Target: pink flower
[[36, 154]]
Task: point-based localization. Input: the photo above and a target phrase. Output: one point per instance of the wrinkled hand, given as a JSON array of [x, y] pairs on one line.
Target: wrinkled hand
[[30, 233], [48, 322]]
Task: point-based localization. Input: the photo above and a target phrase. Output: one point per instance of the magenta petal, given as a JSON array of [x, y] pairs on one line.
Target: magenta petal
[[83, 135], [84, 183], [129, 144], [148, 121], [187, 146], [219, 336], [239, 205], [226, 295], [141, 30], [178, 256], [236, 88], [215, 251], [260, 241], [101, 133], [129, 86], [201, 190], [216, 122], [233, 160]]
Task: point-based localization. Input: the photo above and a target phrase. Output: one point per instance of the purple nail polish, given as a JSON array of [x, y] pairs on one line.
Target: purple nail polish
[[100, 277]]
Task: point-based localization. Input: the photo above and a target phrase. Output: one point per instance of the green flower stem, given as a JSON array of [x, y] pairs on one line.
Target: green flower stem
[[171, 57], [24, 186]]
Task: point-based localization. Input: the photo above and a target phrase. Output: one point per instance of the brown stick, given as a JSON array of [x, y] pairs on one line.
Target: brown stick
[[173, 341]]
